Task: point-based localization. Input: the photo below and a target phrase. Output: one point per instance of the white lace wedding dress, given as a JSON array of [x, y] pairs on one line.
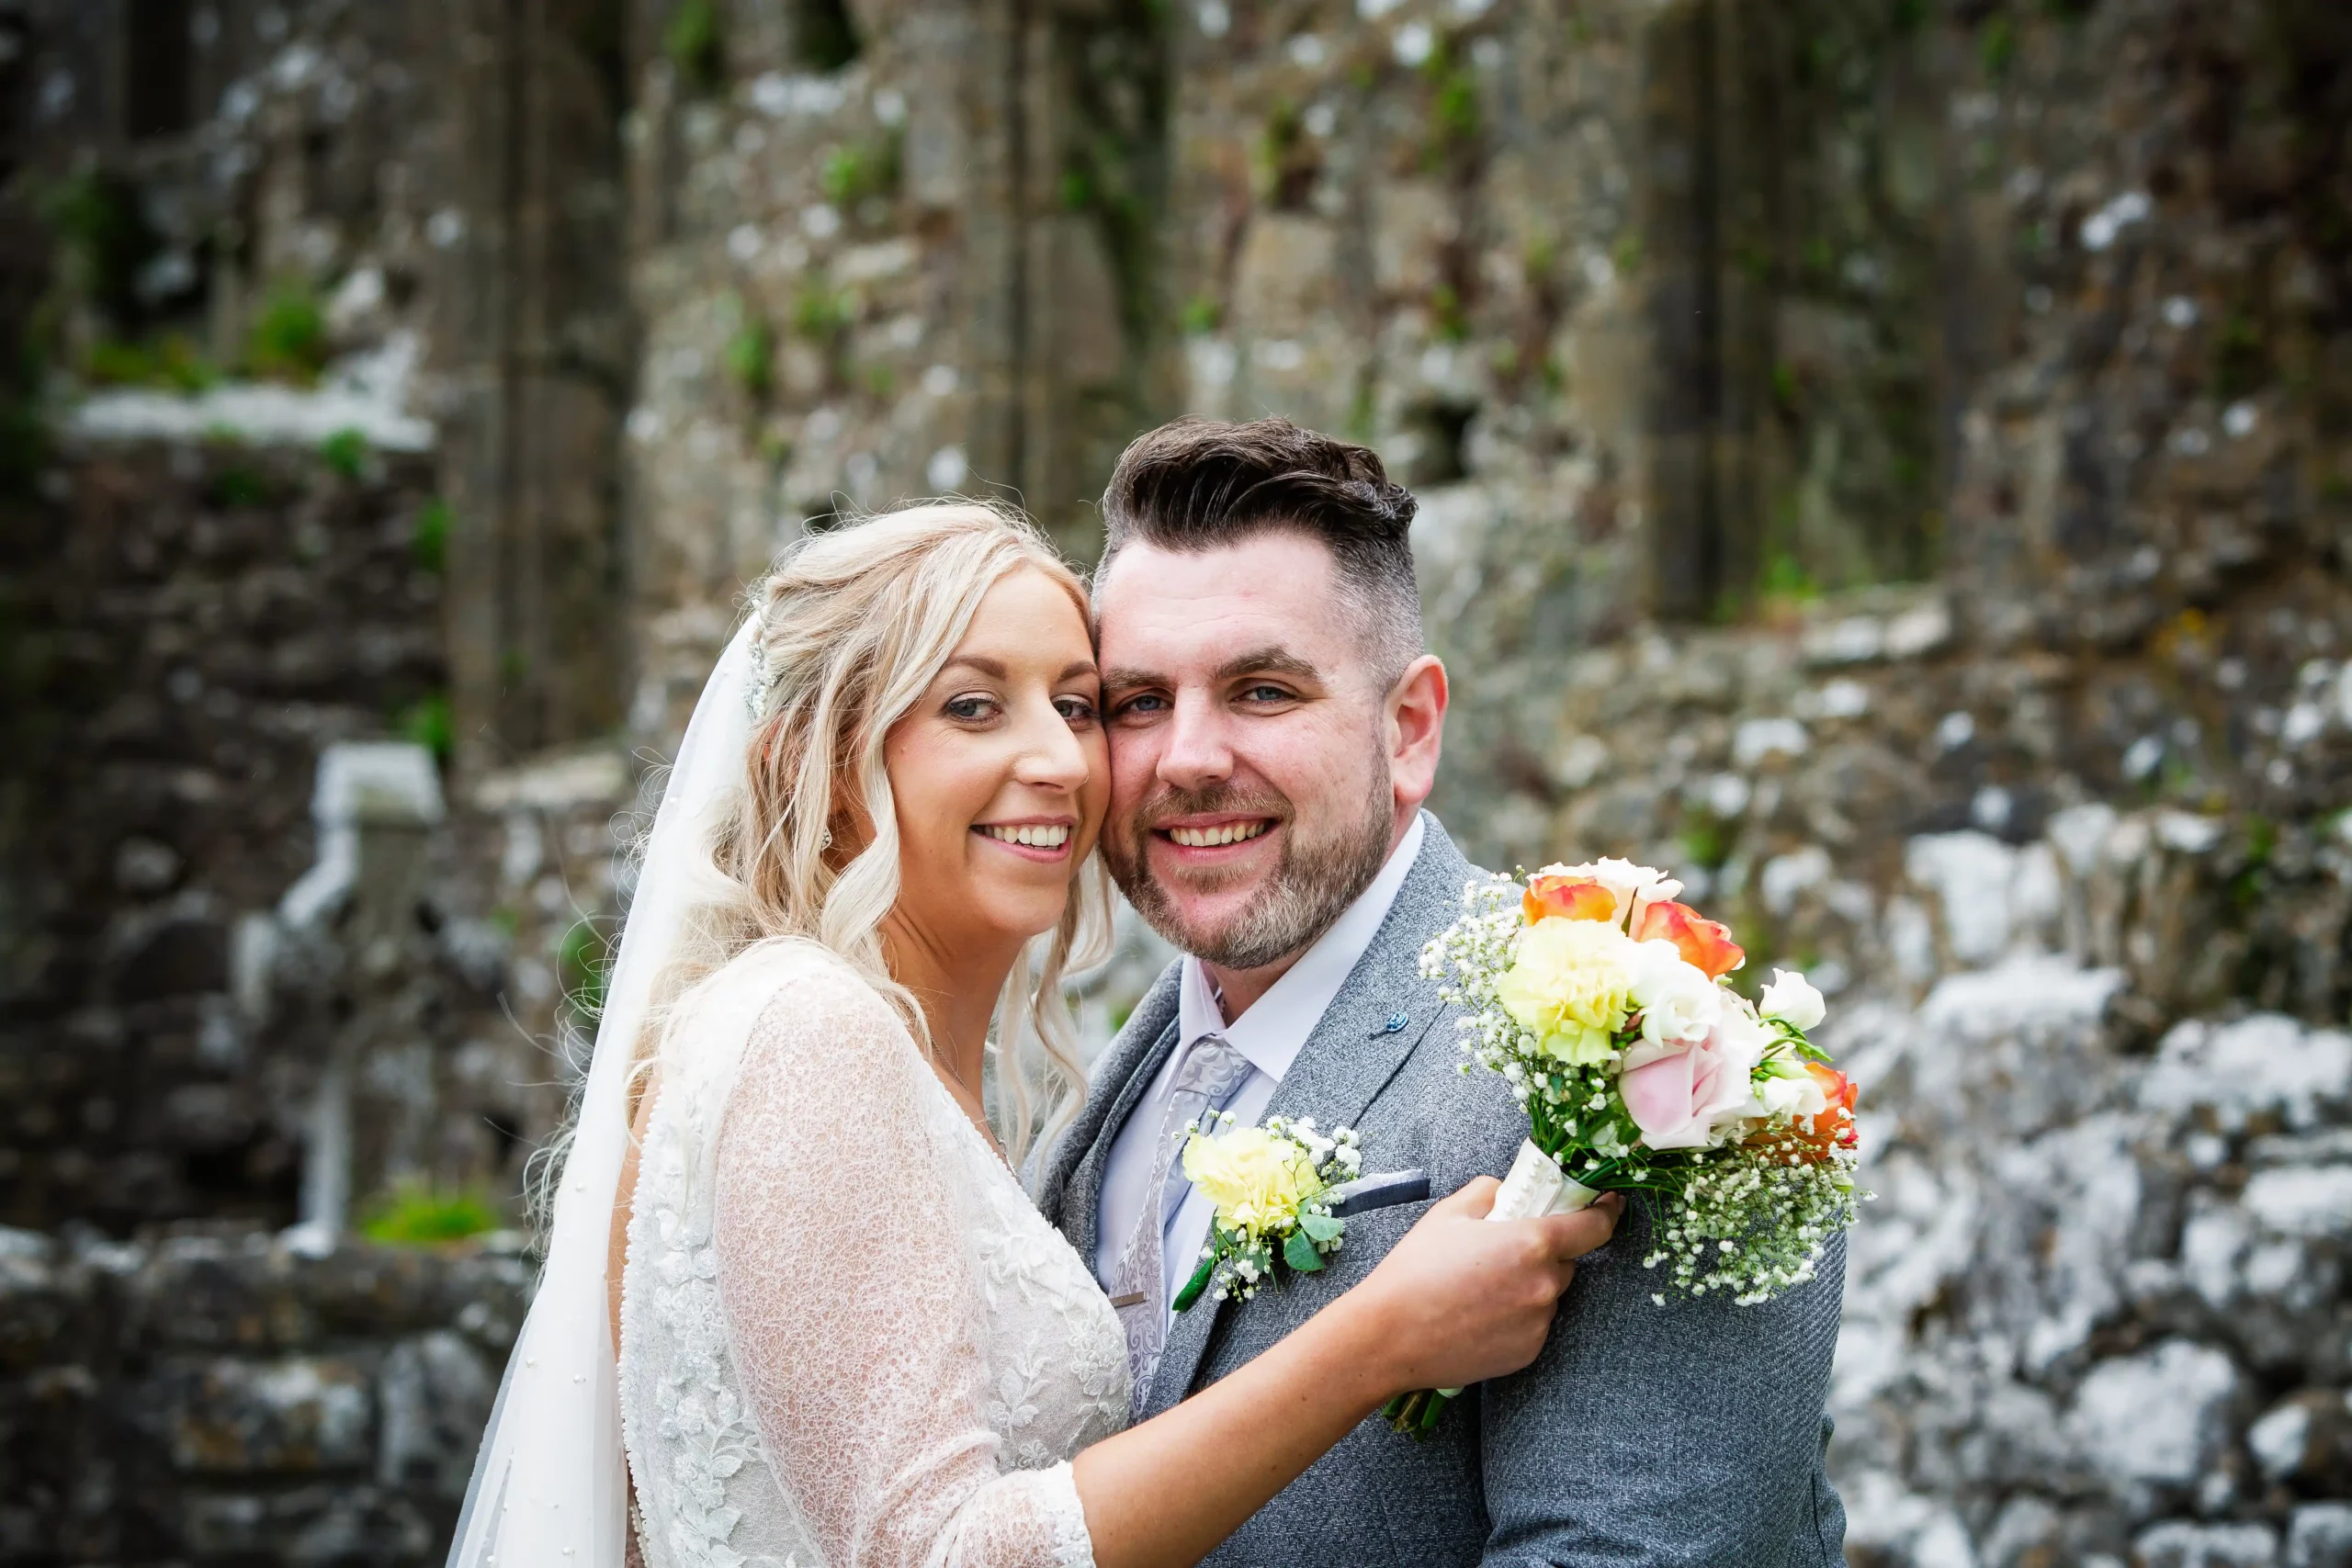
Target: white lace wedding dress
[[848, 1339]]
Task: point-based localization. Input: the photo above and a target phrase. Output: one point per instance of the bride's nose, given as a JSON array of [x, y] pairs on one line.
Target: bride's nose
[[1050, 756]]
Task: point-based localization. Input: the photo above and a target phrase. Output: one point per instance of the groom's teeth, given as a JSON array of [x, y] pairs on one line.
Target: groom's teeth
[[1052, 838], [1209, 837]]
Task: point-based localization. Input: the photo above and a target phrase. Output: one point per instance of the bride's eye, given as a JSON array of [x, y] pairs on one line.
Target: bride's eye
[[970, 709], [1077, 710]]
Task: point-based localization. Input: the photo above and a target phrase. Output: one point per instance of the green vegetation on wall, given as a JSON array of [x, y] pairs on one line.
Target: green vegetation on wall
[[289, 340], [419, 1216], [693, 43]]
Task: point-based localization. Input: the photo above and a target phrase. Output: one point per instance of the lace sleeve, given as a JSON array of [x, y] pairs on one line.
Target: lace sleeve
[[850, 1299]]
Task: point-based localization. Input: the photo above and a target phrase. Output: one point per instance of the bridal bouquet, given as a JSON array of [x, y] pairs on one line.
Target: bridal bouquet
[[1271, 1193], [1607, 1008]]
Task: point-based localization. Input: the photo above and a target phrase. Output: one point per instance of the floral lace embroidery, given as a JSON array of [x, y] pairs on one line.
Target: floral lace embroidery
[[1072, 1546], [1029, 1258], [707, 1435]]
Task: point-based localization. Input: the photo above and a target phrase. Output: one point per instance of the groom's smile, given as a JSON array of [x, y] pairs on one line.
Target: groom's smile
[[1210, 835], [1220, 843]]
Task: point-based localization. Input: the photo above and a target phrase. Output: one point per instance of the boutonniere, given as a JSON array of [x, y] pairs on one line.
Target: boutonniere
[[1271, 1187]]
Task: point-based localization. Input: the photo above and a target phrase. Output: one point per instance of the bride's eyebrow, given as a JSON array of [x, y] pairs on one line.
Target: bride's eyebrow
[[991, 667], [1073, 670]]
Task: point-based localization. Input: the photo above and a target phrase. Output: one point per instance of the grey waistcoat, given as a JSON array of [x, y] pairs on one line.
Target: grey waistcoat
[[1680, 1435]]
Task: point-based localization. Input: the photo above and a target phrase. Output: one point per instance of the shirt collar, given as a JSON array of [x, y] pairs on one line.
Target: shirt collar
[[1273, 1032]]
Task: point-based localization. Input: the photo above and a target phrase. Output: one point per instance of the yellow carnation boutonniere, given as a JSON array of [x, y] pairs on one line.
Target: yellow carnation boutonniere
[[1271, 1188]]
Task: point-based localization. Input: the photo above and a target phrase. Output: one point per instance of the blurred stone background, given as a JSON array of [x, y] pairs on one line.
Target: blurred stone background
[[1884, 458]]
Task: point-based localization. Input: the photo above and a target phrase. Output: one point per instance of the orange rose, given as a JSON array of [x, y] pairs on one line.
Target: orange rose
[[1834, 1128], [1569, 897], [1706, 946], [1815, 1138]]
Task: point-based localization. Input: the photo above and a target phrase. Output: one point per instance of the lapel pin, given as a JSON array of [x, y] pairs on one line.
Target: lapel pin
[[1396, 1021]]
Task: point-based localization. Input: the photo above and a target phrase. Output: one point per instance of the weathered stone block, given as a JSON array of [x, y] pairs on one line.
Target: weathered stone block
[[1413, 224], [435, 1393], [2305, 1441], [2158, 1419], [296, 1415], [2319, 1535], [1285, 275], [342, 1523], [44, 1306], [2178, 1545], [221, 1292]]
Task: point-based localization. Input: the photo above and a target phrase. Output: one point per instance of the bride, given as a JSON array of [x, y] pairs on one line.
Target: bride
[[846, 1336]]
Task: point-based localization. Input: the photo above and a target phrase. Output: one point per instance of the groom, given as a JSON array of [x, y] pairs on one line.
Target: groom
[[1274, 728]]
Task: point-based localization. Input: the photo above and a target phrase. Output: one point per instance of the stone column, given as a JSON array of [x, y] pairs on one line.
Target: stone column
[[534, 345]]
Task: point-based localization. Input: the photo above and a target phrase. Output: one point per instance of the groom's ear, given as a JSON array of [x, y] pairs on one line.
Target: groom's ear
[[1415, 721]]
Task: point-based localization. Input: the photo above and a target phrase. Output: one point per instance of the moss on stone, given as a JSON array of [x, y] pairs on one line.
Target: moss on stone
[[418, 1216]]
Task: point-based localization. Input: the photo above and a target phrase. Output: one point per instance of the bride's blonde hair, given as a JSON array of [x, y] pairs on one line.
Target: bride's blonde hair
[[854, 624]]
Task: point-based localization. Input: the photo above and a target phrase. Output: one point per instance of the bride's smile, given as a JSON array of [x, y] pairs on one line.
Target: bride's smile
[[1047, 841]]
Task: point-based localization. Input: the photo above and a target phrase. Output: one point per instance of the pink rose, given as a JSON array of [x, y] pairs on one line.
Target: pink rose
[[1679, 1093]]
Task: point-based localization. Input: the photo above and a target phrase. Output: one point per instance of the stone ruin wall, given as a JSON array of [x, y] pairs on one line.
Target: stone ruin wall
[[1978, 368]]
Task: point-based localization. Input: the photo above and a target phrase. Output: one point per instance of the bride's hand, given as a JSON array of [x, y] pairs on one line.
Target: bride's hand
[[1460, 1299]]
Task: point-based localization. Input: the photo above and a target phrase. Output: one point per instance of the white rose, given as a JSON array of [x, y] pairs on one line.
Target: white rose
[[1785, 1095], [1792, 999], [1634, 887], [1677, 1001]]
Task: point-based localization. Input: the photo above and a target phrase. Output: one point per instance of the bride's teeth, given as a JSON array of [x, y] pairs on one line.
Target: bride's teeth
[[1037, 838]]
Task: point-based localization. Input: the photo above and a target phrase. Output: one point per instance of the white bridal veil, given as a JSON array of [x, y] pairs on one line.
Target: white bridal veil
[[551, 1484]]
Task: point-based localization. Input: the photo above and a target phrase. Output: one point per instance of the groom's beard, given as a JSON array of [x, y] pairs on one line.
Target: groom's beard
[[1311, 886]]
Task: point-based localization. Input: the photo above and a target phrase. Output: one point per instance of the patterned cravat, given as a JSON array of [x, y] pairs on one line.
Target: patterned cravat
[[1205, 1080]]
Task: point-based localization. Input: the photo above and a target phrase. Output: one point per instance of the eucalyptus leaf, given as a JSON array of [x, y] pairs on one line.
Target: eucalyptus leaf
[[1322, 1227], [1300, 1254]]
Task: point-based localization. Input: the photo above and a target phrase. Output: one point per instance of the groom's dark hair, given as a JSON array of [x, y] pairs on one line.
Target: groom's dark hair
[[1200, 484]]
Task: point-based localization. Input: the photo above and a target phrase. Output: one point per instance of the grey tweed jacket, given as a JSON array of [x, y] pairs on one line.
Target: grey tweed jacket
[[1662, 1437]]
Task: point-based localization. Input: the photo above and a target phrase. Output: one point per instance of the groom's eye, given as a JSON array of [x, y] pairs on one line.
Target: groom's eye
[[1262, 692], [1143, 705]]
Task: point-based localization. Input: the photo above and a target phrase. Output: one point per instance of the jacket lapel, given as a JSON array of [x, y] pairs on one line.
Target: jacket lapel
[[1070, 1194], [1382, 1012]]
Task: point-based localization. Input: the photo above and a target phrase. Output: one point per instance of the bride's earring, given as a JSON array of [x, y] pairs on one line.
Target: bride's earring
[[825, 840]]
